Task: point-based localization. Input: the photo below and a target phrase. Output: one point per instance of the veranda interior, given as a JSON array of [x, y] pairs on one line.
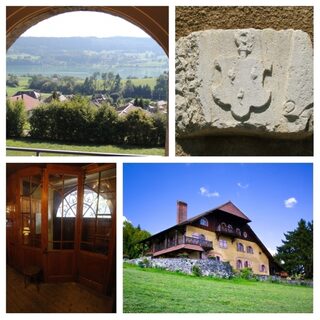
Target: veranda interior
[[61, 219]]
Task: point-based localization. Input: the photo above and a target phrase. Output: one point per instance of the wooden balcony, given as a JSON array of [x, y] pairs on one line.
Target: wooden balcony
[[226, 232], [181, 240]]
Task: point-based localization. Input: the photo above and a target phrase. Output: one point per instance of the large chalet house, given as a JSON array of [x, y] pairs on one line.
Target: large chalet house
[[223, 233]]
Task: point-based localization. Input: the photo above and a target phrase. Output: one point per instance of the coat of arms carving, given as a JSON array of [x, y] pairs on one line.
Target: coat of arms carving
[[241, 89]]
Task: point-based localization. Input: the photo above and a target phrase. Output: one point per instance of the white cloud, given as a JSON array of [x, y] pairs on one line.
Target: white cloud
[[126, 220], [290, 203], [205, 192], [272, 251], [243, 186]]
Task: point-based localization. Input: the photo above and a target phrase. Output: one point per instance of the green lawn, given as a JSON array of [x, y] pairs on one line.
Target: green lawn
[[30, 143], [23, 85], [156, 291]]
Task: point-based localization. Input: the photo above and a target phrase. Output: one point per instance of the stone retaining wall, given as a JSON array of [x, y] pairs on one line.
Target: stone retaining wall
[[208, 267]]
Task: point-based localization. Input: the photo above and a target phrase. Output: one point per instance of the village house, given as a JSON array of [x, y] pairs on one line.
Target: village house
[[223, 233], [29, 102], [30, 93]]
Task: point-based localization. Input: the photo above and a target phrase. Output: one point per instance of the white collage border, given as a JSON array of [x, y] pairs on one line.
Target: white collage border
[[120, 160]]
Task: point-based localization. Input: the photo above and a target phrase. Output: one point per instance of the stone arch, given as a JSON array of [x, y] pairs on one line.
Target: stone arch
[[152, 20]]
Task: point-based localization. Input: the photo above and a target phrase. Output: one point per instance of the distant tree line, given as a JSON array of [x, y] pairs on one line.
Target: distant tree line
[[106, 83], [78, 121]]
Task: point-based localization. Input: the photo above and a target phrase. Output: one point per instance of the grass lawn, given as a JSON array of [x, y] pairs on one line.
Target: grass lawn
[[156, 291], [31, 143]]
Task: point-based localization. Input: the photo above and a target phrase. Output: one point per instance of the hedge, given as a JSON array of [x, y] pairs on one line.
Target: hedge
[[79, 121]]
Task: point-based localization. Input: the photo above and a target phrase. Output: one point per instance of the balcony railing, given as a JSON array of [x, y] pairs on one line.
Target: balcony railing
[[38, 152], [226, 231], [183, 240]]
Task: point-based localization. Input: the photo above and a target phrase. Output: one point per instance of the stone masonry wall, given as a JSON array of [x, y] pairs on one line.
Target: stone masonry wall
[[208, 267], [190, 19]]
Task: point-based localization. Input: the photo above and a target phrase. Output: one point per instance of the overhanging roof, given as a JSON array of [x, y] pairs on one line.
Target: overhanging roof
[[193, 247], [227, 207]]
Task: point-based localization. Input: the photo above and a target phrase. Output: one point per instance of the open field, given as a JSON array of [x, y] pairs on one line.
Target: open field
[[142, 81], [156, 291], [31, 143], [23, 85]]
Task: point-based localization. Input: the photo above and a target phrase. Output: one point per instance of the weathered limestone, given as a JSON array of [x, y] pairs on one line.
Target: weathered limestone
[[246, 82]]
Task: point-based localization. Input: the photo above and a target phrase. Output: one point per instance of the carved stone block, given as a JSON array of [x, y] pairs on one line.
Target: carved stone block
[[251, 82]]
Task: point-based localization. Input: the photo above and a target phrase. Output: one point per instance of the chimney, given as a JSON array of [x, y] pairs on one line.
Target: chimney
[[181, 211]]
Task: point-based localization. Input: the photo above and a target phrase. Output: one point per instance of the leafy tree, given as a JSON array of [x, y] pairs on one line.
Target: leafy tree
[[88, 86], [160, 91], [12, 81], [104, 80], [16, 118], [95, 78], [128, 90], [132, 248], [116, 88], [296, 253]]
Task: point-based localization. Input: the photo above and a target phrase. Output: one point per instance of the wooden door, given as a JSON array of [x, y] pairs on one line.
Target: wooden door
[[60, 217], [97, 231]]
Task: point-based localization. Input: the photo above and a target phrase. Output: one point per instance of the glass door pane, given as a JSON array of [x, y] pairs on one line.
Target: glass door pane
[[62, 211], [98, 205], [30, 209]]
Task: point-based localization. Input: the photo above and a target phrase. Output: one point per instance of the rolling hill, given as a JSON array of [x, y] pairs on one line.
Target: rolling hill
[[82, 56]]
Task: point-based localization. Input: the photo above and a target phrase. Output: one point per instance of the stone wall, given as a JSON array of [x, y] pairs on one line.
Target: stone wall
[[208, 267], [244, 91], [190, 19]]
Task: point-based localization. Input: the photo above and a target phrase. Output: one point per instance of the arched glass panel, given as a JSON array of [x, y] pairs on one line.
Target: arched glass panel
[[99, 200], [62, 211]]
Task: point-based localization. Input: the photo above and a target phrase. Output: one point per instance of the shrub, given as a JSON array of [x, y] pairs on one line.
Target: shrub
[[196, 271], [145, 263], [78, 121], [246, 273], [16, 118]]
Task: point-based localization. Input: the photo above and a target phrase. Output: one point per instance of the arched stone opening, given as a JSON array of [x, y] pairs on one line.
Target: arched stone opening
[[152, 20]]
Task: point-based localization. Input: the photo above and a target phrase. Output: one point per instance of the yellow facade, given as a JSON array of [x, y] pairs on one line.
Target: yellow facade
[[255, 260]]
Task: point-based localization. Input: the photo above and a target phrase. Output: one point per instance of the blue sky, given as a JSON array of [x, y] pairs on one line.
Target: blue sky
[[274, 196]]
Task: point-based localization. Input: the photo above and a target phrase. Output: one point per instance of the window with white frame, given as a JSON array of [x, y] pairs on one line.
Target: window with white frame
[[204, 222], [223, 243]]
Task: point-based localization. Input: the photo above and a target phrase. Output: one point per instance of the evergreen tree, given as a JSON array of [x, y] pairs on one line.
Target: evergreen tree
[[296, 253]]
